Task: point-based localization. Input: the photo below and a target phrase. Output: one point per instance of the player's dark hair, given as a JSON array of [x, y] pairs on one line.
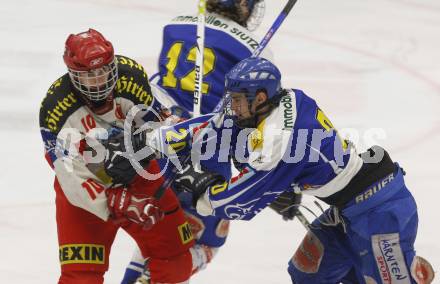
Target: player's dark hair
[[239, 13]]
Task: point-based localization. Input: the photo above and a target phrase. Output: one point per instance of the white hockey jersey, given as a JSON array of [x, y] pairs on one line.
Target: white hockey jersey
[[67, 123]]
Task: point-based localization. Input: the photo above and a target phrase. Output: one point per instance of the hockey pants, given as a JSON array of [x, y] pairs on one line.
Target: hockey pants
[[85, 241], [373, 245]]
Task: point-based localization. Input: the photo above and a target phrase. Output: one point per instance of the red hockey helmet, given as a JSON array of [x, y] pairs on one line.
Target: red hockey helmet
[[90, 60]]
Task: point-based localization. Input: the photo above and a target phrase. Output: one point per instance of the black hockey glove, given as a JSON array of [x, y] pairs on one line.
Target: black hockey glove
[[285, 204], [117, 162], [196, 181]]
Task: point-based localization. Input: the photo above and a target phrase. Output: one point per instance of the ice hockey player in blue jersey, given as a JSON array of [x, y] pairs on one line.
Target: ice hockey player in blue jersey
[[228, 40], [285, 143]]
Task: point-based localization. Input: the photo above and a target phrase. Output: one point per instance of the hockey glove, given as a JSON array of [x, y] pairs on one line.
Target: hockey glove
[[125, 206], [117, 161], [196, 181], [286, 204]]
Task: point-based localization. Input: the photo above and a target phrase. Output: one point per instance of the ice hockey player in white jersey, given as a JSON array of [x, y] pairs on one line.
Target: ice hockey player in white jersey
[[95, 198]]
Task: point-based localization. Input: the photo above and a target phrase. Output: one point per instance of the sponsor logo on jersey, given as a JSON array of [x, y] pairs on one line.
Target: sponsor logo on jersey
[[54, 86], [217, 23], [238, 211], [389, 259], [288, 120], [185, 233], [374, 189], [256, 137], [82, 253], [133, 64], [244, 37], [129, 85], [55, 115]]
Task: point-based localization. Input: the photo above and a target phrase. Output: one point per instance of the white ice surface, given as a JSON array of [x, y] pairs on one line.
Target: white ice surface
[[370, 64]]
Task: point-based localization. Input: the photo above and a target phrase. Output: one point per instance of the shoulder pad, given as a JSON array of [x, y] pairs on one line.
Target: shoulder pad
[[126, 64], [133, 82], [60, 102]]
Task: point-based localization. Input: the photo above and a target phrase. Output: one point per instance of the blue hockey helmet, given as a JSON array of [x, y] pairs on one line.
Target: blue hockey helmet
[[253, 74], [249, 77]]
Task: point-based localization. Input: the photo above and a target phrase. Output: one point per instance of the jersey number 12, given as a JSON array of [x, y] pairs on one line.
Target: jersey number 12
[[187, 81]]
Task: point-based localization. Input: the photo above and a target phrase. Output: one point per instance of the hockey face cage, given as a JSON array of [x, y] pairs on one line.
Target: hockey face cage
[[257, 15], [241, 86], [247, 13], [238, 107], [234, 101], [96, 84]]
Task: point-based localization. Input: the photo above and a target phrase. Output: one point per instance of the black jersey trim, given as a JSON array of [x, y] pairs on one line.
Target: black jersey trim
[[367, 175]]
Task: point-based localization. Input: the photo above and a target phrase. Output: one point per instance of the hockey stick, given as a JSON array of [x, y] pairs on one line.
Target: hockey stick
[[198, 84], [275, 26], [197, 94], [303, 219], [198, 80]]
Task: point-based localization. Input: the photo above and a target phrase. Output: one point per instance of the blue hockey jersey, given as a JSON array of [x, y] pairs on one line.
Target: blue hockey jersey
[[295, 148], [226, 43]]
